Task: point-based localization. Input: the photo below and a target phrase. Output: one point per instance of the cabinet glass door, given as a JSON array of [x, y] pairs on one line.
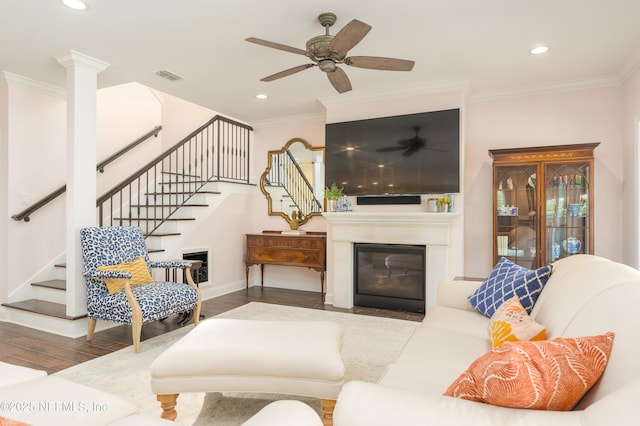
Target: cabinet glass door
[[516, 214], [567, 210]]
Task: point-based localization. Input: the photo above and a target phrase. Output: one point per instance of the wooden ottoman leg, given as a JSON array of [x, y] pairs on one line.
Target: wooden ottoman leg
[[168, 404], [327, 411]]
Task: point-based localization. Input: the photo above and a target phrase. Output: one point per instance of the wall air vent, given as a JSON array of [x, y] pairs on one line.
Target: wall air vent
[[169, 75]]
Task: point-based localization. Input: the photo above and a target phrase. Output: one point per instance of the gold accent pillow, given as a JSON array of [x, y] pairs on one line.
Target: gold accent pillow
[[511, 323], [545, 375], [139, 274]]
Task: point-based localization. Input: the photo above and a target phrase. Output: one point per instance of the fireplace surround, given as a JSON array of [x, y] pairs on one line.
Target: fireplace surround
[[440, 233]]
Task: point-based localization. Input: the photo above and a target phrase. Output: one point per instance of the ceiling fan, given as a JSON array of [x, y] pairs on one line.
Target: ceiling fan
[[327, 52], [411, 146]]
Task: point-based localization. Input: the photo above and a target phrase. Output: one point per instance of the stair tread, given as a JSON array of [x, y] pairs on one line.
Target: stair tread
[[168, 205], [156, 219], [183, 192], [55, 284], [43, 307]]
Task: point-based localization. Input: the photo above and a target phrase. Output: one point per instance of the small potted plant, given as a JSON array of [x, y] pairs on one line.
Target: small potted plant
[[443, 204], [332, 195]]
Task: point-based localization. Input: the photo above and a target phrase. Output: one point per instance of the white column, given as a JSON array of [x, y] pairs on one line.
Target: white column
[[82, 77]]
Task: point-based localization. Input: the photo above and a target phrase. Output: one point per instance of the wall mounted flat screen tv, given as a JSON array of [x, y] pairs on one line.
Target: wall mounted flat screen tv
[[406, 154]]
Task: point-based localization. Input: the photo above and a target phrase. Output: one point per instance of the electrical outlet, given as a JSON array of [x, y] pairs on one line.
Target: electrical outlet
[[24, 198]]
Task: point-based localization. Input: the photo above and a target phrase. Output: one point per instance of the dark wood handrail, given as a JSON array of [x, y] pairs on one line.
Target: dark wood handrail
[[100, 167], [25, 214]]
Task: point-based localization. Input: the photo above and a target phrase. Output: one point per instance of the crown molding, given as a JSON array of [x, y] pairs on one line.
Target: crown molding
[[395, 93], [80, 60], [302, 118], [16, 80], [557, 87]]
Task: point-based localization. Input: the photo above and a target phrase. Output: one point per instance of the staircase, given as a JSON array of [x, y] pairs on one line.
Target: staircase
[[167, 199]]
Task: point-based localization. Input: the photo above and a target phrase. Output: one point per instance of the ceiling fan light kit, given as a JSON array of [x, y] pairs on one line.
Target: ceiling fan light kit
[[327, 52]]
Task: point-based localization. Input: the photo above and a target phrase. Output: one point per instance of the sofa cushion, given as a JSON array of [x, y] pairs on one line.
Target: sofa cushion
[[506, 280], [511, 323], [11, 374], [546, 375], [139, 274]]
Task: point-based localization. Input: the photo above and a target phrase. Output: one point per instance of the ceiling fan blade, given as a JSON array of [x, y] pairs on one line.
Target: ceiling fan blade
[[350, 35], [409, 152], [378, 63], [339, 80], [276, 45], [287, 72], [391, 148]]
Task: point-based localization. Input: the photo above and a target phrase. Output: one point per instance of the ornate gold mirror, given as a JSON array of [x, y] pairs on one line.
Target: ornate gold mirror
[[294, 181]]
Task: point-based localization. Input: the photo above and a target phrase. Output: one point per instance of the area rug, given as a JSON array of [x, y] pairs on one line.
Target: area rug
[[370, 344]]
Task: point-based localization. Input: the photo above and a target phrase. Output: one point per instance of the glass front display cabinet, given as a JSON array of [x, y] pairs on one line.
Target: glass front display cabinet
[[542, 203]]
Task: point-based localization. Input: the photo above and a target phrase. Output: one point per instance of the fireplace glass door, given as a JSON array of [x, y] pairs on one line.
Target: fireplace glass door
[[390, 276]]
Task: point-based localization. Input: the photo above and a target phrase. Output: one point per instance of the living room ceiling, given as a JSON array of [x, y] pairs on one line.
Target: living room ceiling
[[481, 44]]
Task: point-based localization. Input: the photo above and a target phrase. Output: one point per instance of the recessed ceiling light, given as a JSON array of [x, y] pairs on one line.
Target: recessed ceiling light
[[261, 96], [538, 50], [75, 4]]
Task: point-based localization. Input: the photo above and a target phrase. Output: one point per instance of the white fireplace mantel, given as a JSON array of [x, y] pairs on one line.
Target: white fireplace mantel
[[433, 230]]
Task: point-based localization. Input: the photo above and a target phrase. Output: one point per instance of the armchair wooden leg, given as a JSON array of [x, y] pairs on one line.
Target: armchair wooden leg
[[328, 406], [91, 328], [136, 332], [168, 404]]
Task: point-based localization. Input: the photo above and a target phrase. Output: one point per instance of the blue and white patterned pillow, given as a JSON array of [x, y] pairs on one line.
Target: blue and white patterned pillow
[[507, 280]]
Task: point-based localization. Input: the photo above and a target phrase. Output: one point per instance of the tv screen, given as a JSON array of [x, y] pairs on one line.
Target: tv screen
[[406, 154]]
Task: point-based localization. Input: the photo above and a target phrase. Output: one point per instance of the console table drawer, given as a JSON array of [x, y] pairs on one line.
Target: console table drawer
[[287, 242], [283, 256]]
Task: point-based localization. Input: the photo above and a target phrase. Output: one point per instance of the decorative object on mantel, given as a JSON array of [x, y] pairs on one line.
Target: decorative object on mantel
[[443, 204], [332, 194]]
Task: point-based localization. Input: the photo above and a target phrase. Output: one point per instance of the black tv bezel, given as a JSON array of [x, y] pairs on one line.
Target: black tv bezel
[[436, 127]]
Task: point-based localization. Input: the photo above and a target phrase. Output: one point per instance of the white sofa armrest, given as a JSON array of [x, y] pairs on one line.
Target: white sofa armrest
[[454, 293], [369, 404]]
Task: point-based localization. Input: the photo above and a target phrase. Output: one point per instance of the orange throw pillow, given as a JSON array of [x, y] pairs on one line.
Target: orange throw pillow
[[545, 375], [8, 422], [512, 323], [139, 274]]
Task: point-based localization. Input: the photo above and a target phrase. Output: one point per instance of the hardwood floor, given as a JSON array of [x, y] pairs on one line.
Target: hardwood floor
[[50, 352]]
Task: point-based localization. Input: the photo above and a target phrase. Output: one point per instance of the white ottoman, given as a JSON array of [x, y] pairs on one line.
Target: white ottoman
[[285, 413], [226, 355]]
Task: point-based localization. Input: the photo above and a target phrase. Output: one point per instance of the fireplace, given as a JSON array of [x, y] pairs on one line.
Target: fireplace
[[440, 233], [389, 276], [202, 274]]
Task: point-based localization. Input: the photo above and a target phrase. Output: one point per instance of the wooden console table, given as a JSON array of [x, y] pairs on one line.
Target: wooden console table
[[274, 248]]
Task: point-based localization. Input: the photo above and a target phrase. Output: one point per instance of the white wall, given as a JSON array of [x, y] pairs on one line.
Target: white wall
[[36, 166], [124, 113], [593, 115], [630, 188], [4, 186]]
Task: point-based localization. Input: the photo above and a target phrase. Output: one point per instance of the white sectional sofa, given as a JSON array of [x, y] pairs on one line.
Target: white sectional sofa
[[585, 295], [30, 396]]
